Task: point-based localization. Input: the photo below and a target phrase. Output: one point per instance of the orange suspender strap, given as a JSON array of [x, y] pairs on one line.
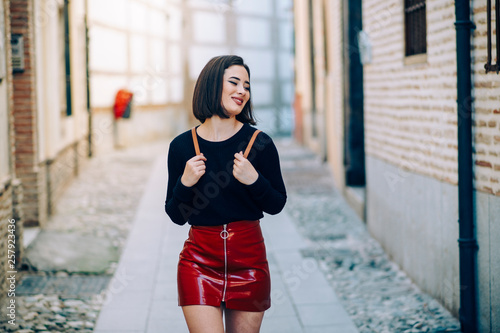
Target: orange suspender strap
[[195, 141], [247, 151], [250, 144]]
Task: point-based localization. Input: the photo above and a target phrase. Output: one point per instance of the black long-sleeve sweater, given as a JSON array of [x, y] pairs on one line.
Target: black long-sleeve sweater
[[219, 198]]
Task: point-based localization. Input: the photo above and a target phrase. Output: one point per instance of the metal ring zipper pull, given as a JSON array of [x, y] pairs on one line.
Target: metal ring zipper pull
[[224, 234]]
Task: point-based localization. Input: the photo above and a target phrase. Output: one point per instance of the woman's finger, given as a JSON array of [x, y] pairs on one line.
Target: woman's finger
[[198, 163], [198, 158], [239, 156]]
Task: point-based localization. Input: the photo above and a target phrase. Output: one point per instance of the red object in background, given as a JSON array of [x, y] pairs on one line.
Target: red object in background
[[123, 100]]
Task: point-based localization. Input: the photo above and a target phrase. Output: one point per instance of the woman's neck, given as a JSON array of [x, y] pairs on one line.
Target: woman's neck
[[219, 129]]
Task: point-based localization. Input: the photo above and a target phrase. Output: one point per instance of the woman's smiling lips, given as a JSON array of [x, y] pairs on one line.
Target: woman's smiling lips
[[237, 100]]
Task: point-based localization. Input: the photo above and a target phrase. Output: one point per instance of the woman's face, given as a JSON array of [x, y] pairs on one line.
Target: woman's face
[[235, 90]]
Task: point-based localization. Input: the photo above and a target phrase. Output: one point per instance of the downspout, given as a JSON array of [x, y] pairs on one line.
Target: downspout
[[87, 71], [67, 58], [467, 240]]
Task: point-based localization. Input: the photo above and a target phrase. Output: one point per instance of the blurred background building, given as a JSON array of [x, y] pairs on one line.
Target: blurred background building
[[376, 96], [156, 49]]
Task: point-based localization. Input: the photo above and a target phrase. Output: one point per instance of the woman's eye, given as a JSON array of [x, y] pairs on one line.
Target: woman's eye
[[233, 83], [247, 88]]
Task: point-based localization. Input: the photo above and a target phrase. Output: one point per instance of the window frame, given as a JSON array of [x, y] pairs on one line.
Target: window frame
[[415, 11]]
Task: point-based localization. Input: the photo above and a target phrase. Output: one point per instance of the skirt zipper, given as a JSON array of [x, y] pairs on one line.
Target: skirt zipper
[[224, 234]]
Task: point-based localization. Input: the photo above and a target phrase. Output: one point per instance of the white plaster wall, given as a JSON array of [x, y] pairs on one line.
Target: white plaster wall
[[334, 85], [141, 51], [4, 107], [4, 136], [423, 230], [488, 261], [208, 28], [253, 32], [50, 124]]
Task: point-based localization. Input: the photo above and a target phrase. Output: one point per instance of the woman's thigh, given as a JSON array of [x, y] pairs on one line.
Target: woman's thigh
[[243, 321], [203, 318]]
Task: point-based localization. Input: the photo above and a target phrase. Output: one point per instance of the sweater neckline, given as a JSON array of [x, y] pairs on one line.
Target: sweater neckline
[[230, 139]]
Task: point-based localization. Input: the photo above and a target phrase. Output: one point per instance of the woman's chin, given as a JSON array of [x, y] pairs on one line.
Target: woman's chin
[[233, 113]]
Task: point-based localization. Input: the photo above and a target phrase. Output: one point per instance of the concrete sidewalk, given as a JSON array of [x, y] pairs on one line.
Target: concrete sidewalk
[[142, 297]]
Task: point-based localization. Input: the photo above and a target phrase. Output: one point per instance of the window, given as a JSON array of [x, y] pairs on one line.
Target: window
[[415, 27], [489, 66]]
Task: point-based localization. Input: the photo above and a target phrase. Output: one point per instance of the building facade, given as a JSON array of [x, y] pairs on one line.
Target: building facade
[[160, 47], [134, 45], [377, 97], [10, 186], [43, 115]]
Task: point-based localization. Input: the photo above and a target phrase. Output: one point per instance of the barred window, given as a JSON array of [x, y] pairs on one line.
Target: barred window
[[489, 66], [415, 27]]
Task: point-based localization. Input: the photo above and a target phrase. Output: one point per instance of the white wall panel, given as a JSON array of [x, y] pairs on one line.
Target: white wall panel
[[258, 7], [107, 49], [208, 28], [262, 93], [261, 62], [254, 32], [104, 88], [200, 55], [138, 53]]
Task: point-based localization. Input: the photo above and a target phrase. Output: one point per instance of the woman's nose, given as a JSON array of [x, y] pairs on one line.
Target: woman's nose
[[242, 90]]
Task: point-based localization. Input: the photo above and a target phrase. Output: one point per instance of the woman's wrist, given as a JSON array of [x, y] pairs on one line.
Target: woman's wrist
[[185, 182]]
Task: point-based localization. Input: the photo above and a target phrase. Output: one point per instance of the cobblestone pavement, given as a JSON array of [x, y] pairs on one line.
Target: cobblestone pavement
[[378, 296], [101, 202]]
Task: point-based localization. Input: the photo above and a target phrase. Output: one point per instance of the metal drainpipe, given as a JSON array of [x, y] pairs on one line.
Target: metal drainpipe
[[467, 240], [67, 58], [87, 71]]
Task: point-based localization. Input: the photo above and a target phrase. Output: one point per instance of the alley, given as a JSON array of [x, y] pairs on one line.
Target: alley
[[329, 275]]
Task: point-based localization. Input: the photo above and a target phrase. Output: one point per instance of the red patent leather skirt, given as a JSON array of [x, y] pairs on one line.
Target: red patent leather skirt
[[225, 264]]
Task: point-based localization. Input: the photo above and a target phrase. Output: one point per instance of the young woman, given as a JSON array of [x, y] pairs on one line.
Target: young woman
[[222, 176]]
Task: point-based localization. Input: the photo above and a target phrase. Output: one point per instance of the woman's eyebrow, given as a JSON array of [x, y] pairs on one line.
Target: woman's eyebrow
[[237, 78]]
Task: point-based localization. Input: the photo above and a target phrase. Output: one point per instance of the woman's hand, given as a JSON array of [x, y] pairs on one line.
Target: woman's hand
[[195, 168], [243, 170]]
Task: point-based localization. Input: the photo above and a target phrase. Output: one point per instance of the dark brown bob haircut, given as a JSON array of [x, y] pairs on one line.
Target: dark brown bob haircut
[[207, 96]]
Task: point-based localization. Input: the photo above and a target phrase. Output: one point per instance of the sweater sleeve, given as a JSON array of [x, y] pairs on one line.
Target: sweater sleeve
[[178, 204], [268, 190]]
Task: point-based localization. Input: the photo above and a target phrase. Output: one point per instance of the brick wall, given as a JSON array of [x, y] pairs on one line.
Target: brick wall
[[487, 108], [11, 190], [411, 125], [24, 108], [411, 146], [59, 172], [410, 109]]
